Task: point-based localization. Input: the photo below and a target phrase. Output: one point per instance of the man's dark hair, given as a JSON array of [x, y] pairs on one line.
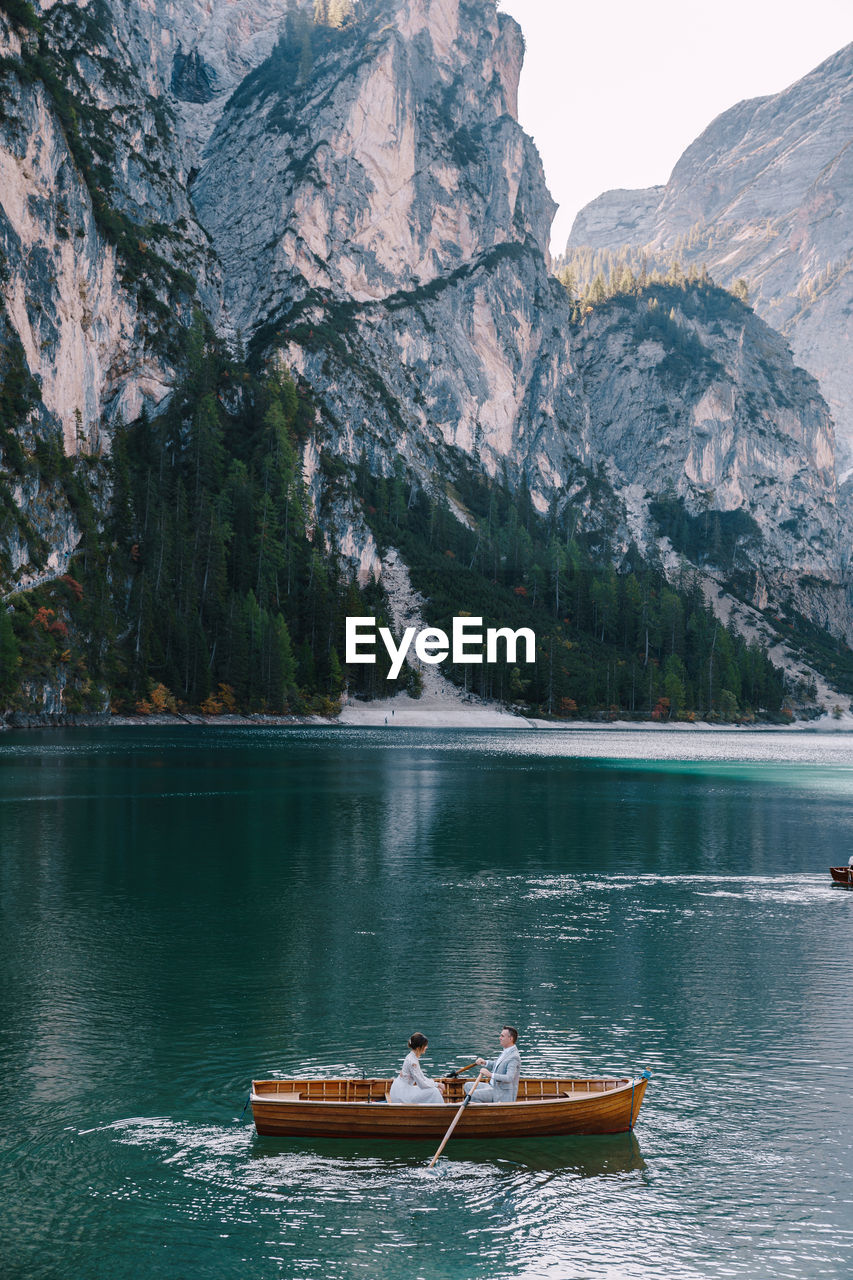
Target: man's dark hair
[[513, 1031]]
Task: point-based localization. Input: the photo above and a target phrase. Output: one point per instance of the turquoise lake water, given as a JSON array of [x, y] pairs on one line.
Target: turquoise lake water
[[182, 910]]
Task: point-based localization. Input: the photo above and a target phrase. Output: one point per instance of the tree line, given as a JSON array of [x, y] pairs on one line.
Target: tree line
[[610, 641], [593, 276], [209, 585]]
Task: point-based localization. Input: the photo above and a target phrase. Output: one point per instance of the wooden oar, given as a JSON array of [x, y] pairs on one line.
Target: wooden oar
[[454, 1075], [454, 1122]]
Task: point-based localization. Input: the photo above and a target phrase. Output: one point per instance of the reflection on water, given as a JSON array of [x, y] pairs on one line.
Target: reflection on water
[[183, 912]]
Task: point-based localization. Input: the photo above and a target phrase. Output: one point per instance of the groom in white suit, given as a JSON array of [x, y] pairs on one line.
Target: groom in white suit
[[502, 1072]]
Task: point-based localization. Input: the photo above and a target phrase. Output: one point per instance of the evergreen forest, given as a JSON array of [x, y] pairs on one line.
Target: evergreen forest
[[609, 643], [209, 586]]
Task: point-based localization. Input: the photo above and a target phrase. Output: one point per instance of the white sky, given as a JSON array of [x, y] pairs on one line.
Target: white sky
[[613, 91]]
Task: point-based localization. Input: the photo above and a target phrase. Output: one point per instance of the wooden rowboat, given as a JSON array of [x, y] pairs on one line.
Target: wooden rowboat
[[360, 1109], [842, 875]]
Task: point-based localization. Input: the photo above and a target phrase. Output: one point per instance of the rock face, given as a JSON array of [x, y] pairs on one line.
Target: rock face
[[100, 249], [94, 193], [764, 194], [737, 431], [617, 218], [354, 197], [78, 326], [395, 251]]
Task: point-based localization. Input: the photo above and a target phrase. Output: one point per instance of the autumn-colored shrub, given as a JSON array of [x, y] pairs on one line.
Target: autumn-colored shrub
[[162, 699], [73, 584], [43, 618], [220, 703]]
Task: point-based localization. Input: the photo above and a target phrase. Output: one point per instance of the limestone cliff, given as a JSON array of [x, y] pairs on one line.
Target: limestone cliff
[[383, 223], [764, 194], [696, 402]]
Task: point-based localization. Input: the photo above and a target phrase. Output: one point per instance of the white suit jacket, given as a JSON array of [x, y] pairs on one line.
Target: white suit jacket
[[505, 1069]]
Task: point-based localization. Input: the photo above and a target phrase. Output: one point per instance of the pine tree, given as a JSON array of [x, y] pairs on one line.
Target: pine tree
[[285, 659], [207, 448], [568, 280], [740, 289], [336, 675], [339, 12], [8, 654], [597, 290]]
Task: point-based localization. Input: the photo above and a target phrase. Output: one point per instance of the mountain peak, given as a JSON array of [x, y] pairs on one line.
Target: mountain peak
[[764, 194]]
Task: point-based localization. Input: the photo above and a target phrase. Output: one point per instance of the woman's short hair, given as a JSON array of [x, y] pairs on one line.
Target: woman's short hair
[[418, 1041]]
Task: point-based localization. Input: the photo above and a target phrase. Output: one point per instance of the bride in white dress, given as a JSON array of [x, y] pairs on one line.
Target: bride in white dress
[[411, 1085]]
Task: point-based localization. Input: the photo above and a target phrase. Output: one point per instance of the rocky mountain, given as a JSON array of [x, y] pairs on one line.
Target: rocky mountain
[[401, 267], [764, 195], [696, 404], [341, 193], [396, 254]]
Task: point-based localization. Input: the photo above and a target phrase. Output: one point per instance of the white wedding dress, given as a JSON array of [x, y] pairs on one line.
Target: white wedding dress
[[412, 1086]]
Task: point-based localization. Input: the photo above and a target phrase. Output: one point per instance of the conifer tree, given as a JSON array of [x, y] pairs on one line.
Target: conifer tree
[[740, 289], [8, 654], [339, 12]]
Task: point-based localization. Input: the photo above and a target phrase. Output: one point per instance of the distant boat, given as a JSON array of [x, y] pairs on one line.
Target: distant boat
[[842, 875], [360, 1109]]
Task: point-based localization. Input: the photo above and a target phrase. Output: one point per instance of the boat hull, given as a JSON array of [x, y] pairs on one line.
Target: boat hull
[[595, 1110], [842, 876]]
